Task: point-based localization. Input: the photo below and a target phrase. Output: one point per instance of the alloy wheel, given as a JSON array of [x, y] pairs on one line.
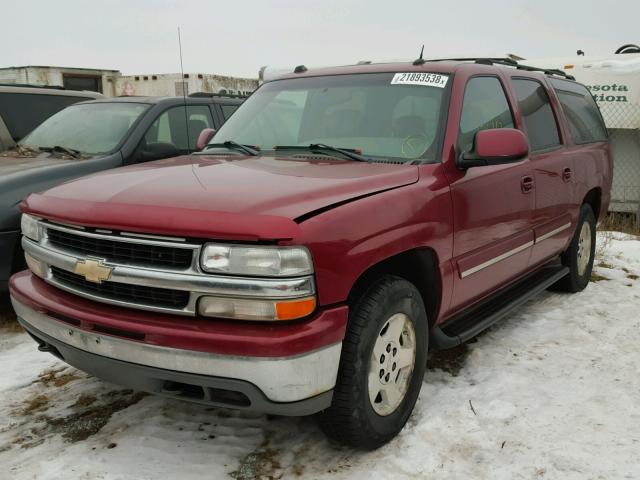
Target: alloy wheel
[[392, 362], [584, 248]]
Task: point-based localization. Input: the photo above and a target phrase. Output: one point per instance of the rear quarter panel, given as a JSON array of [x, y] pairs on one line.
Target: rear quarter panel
[[593, 168]]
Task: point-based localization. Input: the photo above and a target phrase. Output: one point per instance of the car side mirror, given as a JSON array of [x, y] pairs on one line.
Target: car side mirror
[[158, 151], [495, 147], [205, 137]]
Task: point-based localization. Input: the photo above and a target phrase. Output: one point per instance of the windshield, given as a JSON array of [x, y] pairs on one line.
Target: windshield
[[88, 128], [375, 114]]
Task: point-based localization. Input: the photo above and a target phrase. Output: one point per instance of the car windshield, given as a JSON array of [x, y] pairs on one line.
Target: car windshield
[[382, 116], [90, 128]]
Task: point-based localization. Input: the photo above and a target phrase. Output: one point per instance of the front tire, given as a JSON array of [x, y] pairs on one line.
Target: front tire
[[580, 255], [382, 365]]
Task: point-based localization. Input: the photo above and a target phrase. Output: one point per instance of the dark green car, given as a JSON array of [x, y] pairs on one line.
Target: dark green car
[[88, 137]]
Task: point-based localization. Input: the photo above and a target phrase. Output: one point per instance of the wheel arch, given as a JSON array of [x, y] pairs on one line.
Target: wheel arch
[[418, 266], [593, 198]]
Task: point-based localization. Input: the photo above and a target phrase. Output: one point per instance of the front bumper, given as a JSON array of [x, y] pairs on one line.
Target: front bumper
[[285, 386], [147, 353]]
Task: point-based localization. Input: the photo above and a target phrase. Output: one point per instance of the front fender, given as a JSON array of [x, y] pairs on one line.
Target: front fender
[[345, 242]]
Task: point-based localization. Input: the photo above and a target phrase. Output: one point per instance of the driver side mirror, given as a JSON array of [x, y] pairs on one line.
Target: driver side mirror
[[205, 137], [495, 146]]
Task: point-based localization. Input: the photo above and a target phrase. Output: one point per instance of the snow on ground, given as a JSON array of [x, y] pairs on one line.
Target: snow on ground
[[552, 392]]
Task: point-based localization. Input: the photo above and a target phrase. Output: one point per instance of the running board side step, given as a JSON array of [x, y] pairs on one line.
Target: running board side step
[[467, 325]]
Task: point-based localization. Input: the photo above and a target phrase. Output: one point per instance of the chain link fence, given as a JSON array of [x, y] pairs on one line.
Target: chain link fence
[[623, 122]]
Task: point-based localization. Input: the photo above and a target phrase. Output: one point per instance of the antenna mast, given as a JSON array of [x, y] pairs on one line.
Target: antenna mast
[[420, 60], [185, 85]]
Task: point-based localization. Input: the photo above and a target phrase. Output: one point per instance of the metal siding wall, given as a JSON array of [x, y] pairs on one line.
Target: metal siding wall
[[13, 75], [170, 84], [625, 147]]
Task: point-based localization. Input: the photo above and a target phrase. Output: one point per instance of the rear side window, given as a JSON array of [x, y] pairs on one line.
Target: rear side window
[[22, 112], [537, 114], [585, 122], [484, 107]]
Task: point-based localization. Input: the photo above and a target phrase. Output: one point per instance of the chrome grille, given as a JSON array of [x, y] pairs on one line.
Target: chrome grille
[[143, 271], [124, 292], [115, 250]]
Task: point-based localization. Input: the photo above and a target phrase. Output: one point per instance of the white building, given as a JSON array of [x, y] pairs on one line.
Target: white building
[[174, 84], [95, 80], [112, 83]]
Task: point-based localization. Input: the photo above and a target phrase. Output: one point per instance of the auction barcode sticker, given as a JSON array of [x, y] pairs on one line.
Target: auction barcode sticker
[[417, 78]]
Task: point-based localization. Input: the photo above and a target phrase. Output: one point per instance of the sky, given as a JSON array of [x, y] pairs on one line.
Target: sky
[[238, 37]]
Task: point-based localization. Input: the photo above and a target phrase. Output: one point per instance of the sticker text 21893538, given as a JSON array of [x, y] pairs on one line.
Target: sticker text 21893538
[[418, 78]]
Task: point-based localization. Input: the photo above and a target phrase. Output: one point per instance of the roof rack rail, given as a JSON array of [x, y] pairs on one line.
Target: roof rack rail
[[480, 60], [509, 62], [222, 95]]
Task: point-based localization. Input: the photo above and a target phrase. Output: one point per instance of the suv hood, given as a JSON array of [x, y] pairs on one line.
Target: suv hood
[[11, 163], [20, 175], [253, 198]]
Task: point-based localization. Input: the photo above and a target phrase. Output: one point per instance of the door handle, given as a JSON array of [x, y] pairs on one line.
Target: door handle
[[527, 184], [567, 174]]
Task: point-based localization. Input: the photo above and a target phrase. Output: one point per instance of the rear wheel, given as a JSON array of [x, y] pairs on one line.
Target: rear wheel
[[382, 365], [580, 254]]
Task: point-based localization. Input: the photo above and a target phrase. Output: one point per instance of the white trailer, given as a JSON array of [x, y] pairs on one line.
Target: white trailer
[[614, 82]]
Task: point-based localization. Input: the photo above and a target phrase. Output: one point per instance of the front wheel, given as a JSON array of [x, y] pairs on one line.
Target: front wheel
[[382, 365], [580, 254]]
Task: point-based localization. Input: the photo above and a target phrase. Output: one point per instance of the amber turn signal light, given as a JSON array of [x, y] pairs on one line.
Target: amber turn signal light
[[292, 309]]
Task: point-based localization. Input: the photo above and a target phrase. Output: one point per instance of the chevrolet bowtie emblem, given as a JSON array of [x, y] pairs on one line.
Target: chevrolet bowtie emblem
[[93, 270]]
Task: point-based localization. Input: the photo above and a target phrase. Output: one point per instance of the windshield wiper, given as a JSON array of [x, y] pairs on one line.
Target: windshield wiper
[[231, 145], [57, 148], [22, 149], [321, 147]]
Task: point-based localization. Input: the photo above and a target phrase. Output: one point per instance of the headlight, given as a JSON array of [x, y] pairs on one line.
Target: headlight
[[30, 227], [262, 261]]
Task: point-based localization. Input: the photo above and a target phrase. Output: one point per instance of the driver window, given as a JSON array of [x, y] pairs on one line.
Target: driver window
[[169, 127], [484, 106]]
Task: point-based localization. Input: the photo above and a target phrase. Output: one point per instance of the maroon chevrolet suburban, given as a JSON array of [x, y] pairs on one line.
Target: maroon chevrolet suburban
[[342, 222]]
